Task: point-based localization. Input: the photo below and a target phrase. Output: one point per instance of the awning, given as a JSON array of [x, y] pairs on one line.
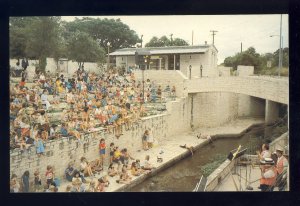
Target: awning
[[161, 50]]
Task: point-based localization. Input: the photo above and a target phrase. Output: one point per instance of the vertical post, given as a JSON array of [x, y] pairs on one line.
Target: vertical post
[[143, 70], [108, 57], [159, 63], [192, 38], [192, 108], [190, 68], [174, 62], [201, 67], [241, 47], [280, 51]]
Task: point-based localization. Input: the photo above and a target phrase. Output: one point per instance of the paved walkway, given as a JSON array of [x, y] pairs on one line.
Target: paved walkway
[[239, 175], [172, 151]]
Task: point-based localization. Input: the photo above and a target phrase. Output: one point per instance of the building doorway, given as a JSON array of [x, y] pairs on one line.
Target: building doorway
[[174, 62]]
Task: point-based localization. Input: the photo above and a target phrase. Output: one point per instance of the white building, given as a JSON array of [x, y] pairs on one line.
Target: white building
[[192, 61]]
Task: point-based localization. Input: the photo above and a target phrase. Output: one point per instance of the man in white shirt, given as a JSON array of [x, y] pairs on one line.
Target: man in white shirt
[[265, 153], [268, 174], [282, 167], [44, 98]]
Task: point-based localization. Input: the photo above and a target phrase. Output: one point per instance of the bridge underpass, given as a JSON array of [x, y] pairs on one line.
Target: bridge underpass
[[263, 97]]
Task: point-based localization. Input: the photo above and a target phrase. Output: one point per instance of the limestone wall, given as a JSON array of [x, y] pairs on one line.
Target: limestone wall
[[213, 109], [30, 68], [245, 70], [224, 71], [250, 106], [270, 88], [68, 67], [60, 152], [164, 78]]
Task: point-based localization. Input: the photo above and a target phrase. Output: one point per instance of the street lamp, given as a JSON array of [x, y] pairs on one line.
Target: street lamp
[[201, 67], [279, 52], [108, 45], [142, 41]]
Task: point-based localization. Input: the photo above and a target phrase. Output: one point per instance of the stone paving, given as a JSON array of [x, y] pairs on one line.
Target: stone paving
[[172, 152]]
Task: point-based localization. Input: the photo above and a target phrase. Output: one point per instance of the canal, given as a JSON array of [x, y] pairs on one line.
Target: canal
[[183, 176]]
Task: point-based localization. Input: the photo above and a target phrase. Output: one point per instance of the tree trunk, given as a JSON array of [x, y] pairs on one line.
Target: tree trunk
[[42, 64]]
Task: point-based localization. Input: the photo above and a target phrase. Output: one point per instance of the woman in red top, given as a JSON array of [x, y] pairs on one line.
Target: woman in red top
[[102, 147], [22, 83]]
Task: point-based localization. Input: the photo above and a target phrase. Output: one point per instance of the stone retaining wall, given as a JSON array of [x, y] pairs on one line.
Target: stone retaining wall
[[59, 153]]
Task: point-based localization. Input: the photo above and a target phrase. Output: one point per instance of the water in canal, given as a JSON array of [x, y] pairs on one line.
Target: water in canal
[[184, 175]]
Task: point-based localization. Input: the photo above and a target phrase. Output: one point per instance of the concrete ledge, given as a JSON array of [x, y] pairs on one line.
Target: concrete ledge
[[181, 156], [223, 170], [236, 135]]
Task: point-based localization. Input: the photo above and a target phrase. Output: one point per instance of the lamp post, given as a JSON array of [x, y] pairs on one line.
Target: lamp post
[[171, 35], [201, 67], [142, 41], [108, 45], [279, 52]]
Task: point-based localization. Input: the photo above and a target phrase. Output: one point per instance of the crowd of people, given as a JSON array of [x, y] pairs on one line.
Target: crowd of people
[[83, 179], [273, 167], [111, 101]]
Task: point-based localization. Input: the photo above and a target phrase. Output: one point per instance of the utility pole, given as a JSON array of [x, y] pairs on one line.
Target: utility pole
[[280, 51], [241, 47], [142, 41], [213, 34], [192, 38]]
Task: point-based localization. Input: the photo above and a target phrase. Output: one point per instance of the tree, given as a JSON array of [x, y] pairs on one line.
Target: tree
[[247, 58], [164, 41], [179, 42], [103, 31], [154, 42], [43, 39], [285, 57], [82, 48], [18, 35]]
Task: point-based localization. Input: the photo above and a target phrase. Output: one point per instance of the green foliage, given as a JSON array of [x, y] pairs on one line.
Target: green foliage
[[82, 48], [179, 42], [103, 31], [251, 58], [164, 41], [34, 37], [247, 58], [18, 35], [214, 163]]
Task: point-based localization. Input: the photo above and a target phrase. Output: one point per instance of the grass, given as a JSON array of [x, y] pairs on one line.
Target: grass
[[214, 163], [274, 71]]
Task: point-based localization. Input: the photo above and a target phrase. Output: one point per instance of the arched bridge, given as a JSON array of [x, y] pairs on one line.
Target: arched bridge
[[270, 88]]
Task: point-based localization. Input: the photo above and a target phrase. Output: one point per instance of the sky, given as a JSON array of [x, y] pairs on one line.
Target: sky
[[251, 30]]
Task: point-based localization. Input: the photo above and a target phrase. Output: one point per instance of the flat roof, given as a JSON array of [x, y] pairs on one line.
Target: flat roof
[[162, 50]]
